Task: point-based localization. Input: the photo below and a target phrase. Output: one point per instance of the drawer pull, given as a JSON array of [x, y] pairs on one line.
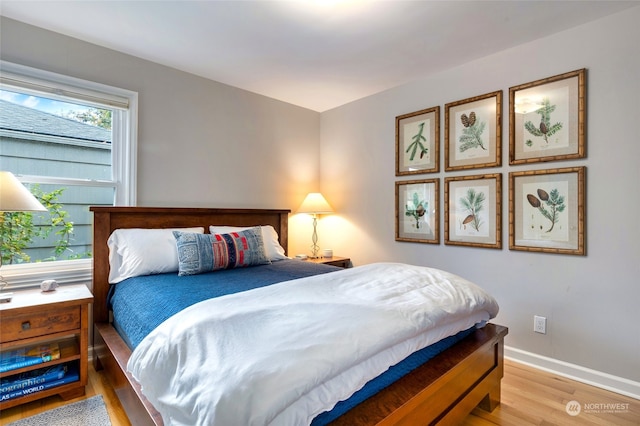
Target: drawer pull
[[26, 325]]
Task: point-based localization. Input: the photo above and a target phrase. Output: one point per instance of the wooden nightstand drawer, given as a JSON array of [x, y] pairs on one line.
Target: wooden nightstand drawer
[[40, 324]]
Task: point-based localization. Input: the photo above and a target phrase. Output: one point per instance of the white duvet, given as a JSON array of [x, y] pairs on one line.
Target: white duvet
[[285, 353]]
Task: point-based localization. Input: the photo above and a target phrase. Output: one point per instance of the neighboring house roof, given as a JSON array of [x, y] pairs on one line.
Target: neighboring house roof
[[23, 119]]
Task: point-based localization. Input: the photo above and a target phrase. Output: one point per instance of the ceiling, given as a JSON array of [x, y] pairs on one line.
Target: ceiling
[[318, 54]]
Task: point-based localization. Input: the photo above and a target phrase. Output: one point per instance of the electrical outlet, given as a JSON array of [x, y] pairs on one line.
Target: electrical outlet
[[539, 324]]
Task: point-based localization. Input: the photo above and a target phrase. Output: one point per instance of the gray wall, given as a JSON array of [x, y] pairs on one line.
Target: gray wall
[[206, 144], [591, 302], [189, 127], [200, 143]]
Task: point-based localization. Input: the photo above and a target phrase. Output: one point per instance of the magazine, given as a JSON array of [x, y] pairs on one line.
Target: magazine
[[31, 355], [32, 378], [72, 375]]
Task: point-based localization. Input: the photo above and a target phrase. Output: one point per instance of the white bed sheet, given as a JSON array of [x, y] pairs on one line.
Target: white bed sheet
[[283, 354]]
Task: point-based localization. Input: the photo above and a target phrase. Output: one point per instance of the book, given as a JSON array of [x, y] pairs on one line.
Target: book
[[32, 378], [31, 355], [71, 375]]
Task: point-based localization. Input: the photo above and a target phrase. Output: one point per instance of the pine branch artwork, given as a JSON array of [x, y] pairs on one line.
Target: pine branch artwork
[[471, 133], [416, 209], [473, 203], [545, 129], [553, 200], [417, 143]]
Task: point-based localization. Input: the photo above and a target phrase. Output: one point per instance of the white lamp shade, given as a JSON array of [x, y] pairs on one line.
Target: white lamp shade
[[15, 197], [315, 203]]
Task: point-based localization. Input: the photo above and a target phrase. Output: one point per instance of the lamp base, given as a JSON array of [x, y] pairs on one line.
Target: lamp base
[[6, 297]]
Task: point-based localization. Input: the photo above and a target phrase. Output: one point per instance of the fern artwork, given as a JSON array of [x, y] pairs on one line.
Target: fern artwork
[[416, 209], [548, 119], [417, 140], [549, 204], [472, 210], [545, 129], [472, 204], [472, 131], [546, 215], [547, 210], [418, 144]]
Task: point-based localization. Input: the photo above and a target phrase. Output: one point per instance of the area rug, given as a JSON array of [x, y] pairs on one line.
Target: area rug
[[88, 412]]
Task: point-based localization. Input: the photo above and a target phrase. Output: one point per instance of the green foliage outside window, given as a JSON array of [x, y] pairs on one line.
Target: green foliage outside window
[[18, 230], [94, 116]]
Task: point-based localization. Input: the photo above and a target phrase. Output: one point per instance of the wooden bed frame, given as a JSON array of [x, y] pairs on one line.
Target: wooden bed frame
[[444, 390]]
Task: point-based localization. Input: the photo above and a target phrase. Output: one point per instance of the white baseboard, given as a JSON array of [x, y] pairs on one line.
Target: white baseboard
[[575, 372]]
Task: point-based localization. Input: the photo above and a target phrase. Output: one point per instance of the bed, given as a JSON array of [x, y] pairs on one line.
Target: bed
[[443, 390]]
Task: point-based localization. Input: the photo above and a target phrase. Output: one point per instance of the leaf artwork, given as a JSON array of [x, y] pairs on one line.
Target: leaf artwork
[[471, 133], [545, 129], [553, 200], [416, 209], [417, 143], [473, 203]]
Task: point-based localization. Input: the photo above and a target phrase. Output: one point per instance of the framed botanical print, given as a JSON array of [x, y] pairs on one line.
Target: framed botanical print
[[418, 142], [547, 119], [473, 211], [417, 211], [547, 210], [473, 132]]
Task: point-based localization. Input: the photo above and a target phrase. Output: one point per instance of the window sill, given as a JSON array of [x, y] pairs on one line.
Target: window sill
[[32, 274]]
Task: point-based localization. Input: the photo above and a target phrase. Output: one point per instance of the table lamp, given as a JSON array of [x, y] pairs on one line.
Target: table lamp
[[315, 204], [14, 197]]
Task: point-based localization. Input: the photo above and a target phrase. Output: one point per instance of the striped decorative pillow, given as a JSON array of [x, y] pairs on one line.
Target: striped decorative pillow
[[198, 253]]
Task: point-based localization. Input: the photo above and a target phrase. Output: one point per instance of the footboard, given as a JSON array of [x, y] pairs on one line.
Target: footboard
[[445, 389]]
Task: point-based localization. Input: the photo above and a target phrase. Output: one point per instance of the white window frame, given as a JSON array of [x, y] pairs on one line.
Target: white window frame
[[123, 151]]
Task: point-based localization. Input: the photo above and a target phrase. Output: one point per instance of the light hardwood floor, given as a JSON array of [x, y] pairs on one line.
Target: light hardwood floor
[[529, 397]]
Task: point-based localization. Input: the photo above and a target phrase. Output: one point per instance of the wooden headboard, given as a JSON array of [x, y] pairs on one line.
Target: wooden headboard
[[108, 219]]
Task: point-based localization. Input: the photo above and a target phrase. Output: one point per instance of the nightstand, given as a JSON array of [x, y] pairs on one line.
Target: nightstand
[[343, 262], [57, 320]]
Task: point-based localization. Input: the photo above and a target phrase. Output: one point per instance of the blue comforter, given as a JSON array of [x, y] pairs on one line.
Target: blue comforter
[[142, 303]]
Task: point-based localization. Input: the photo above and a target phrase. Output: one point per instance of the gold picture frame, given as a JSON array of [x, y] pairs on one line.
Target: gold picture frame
[[418, 211], [473, 211], [547, 210], [418, 142], [547, 119], [473, 132]]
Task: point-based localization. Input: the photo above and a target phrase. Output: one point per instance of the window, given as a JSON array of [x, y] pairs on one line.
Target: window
[[72, 140]]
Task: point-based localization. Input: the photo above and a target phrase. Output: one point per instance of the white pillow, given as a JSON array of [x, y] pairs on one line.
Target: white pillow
[[272, 248], [134, 252]]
